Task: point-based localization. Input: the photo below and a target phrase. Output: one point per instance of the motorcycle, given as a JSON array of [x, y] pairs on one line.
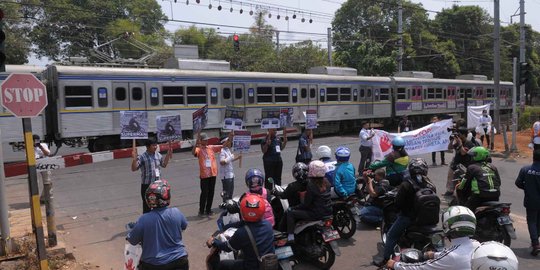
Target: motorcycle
[[493, 221], [345, 215]]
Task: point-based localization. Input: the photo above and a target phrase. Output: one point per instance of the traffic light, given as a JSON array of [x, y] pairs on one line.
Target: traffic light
[[236, 40], [2, 43], [523, 72]]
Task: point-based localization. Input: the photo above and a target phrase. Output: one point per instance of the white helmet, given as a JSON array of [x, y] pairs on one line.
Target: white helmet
[[493, 255], [458, 221], [324, 152]]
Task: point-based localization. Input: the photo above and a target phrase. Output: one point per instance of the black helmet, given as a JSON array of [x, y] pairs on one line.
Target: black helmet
[[418, 166], [300, 171]]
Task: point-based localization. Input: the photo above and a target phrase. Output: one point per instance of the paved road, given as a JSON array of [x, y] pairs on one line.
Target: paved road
[[94, 202]]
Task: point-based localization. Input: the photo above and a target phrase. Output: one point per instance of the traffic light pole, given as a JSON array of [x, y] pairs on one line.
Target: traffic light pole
[[496, 71], [521, 50], [513, 148]]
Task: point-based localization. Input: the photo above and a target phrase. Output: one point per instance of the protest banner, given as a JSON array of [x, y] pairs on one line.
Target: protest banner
[[134, 125], [431, 138], [473, 118], [200, 118], [285, 117], [234, 118], [311, 119], [241, 140], [168, 128], [270, 118]]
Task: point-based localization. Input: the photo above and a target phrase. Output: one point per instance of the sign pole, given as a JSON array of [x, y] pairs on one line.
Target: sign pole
[[37, 225]]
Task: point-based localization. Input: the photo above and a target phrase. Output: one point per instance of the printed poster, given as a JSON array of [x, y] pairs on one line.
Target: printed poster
[[200, 119], [168, 128], [134, 125], [270, 118], [311, 119], [241, 140], [286, 117], [431, 138], [234, 118]]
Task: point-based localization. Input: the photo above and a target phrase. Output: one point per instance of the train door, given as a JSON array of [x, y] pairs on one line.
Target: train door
[[313, 96], [129, 96], [503, 97], [416, 98], [451, 93], [368, 99], [479, 96]]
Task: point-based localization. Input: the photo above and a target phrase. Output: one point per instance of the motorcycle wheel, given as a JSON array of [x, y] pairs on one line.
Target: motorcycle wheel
[[344, 221], [385, 227], [327, 258], [504, 237]]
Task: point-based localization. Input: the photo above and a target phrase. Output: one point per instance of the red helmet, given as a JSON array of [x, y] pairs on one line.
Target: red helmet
[[158, 194], [252, 208]]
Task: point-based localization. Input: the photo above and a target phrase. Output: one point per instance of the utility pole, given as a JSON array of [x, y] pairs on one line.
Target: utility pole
[[277, 42], [521, 50], [496, 69], [513, 148], [6, 245], [330, 63], [400, 33]]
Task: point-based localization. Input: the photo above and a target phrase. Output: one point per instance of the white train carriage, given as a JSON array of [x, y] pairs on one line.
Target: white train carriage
[[10, 125]]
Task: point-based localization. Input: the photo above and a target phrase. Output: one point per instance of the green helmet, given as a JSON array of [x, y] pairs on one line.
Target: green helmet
[[479, 153]]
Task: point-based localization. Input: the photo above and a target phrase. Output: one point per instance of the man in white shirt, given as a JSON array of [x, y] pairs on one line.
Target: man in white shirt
[[485, 127], [366, 146], [41, 150], [226, 169], [535, 138]]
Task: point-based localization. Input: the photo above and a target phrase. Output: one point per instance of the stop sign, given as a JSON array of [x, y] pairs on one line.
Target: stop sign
[[23, 95]]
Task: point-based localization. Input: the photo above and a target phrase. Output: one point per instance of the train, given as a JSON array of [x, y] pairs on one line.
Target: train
[[85, 101]]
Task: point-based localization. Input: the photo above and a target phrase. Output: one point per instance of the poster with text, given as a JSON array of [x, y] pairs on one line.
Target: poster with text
[[311, 119], [241, 140], [234, 118], [270, 118], [200, 118], [286, 117], [168, 128], [134, 125]]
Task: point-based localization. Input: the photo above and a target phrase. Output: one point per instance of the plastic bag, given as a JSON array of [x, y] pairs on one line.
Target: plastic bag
[[132, 256]]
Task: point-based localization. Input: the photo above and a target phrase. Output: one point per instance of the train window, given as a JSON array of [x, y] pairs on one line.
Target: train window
[[490, 93], [312, 93], [78, 96], [368, 93], [401, 93], [281, 94], [238, 93], [154, 96], [332, 94], [196, 95], [362, 93], [136, 93], [294, 95], [345, 94], [103, 101], [322, 95], [430, 93], [226, 93], [120, 93], [355, 95], [303, 93], [213, 95], [173, 95], [469, 93], [439, 93], [264, 94], [384, 94]]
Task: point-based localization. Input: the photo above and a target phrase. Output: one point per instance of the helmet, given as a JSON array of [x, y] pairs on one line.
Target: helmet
[[479, 153], [252, 208], [458, 221], [254, 180], [398, 142], [343, 154], [418, 166], [300, 171], [493, 255], [316, 169], [158, 194], [324, 152]]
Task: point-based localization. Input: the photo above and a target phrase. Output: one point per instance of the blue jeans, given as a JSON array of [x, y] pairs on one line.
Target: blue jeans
[[395, 232], [371, 214], [533, 222]]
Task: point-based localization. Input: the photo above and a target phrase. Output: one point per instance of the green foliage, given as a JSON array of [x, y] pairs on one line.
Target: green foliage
[[528, 117], [17, 44]]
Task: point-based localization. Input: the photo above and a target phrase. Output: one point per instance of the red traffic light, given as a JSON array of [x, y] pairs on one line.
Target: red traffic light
[[236, 38]]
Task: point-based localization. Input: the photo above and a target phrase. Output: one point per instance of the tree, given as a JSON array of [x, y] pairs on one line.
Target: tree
[[369, 59], [17, 29], [206, 39]]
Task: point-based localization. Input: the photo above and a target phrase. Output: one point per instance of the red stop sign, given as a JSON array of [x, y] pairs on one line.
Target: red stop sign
[[23, 95]]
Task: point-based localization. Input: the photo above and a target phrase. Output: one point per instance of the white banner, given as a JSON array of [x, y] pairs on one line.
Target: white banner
[[474, 113], [431, 138]]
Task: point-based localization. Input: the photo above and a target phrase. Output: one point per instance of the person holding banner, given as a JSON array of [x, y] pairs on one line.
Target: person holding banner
[[435, 119], [149, 163], [396, 162], [208, 172], [226, 169], [366, 146], [271, 147], [485, 126], [405, 125]]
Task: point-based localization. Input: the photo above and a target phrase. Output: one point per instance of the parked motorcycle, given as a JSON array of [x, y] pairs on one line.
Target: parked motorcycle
[[345, 215]]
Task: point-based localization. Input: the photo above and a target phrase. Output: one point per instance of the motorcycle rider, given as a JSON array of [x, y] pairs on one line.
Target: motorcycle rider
[[252, 209], [405, 198], [325, 155], [461, 144], [396, 162], [459, 225], [493, 255], [317, 203], [377, 185], [294, 193], [344, 176], [160, 231], [481, 182]]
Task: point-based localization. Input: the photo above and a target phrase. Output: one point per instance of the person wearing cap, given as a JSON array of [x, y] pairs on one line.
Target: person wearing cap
[[41, 150], [366, 146], [149, 163], [271, 147], [405, 125], [226, 168], [208, 172]]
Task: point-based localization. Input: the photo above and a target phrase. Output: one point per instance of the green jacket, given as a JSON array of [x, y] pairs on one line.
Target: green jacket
[[395, 162]]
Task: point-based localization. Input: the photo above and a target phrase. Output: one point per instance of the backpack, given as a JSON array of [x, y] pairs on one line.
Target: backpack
[[427, 205], [266, 262]]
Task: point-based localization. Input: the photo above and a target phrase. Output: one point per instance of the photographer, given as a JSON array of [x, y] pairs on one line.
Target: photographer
[[41, 150], [460, 144]]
